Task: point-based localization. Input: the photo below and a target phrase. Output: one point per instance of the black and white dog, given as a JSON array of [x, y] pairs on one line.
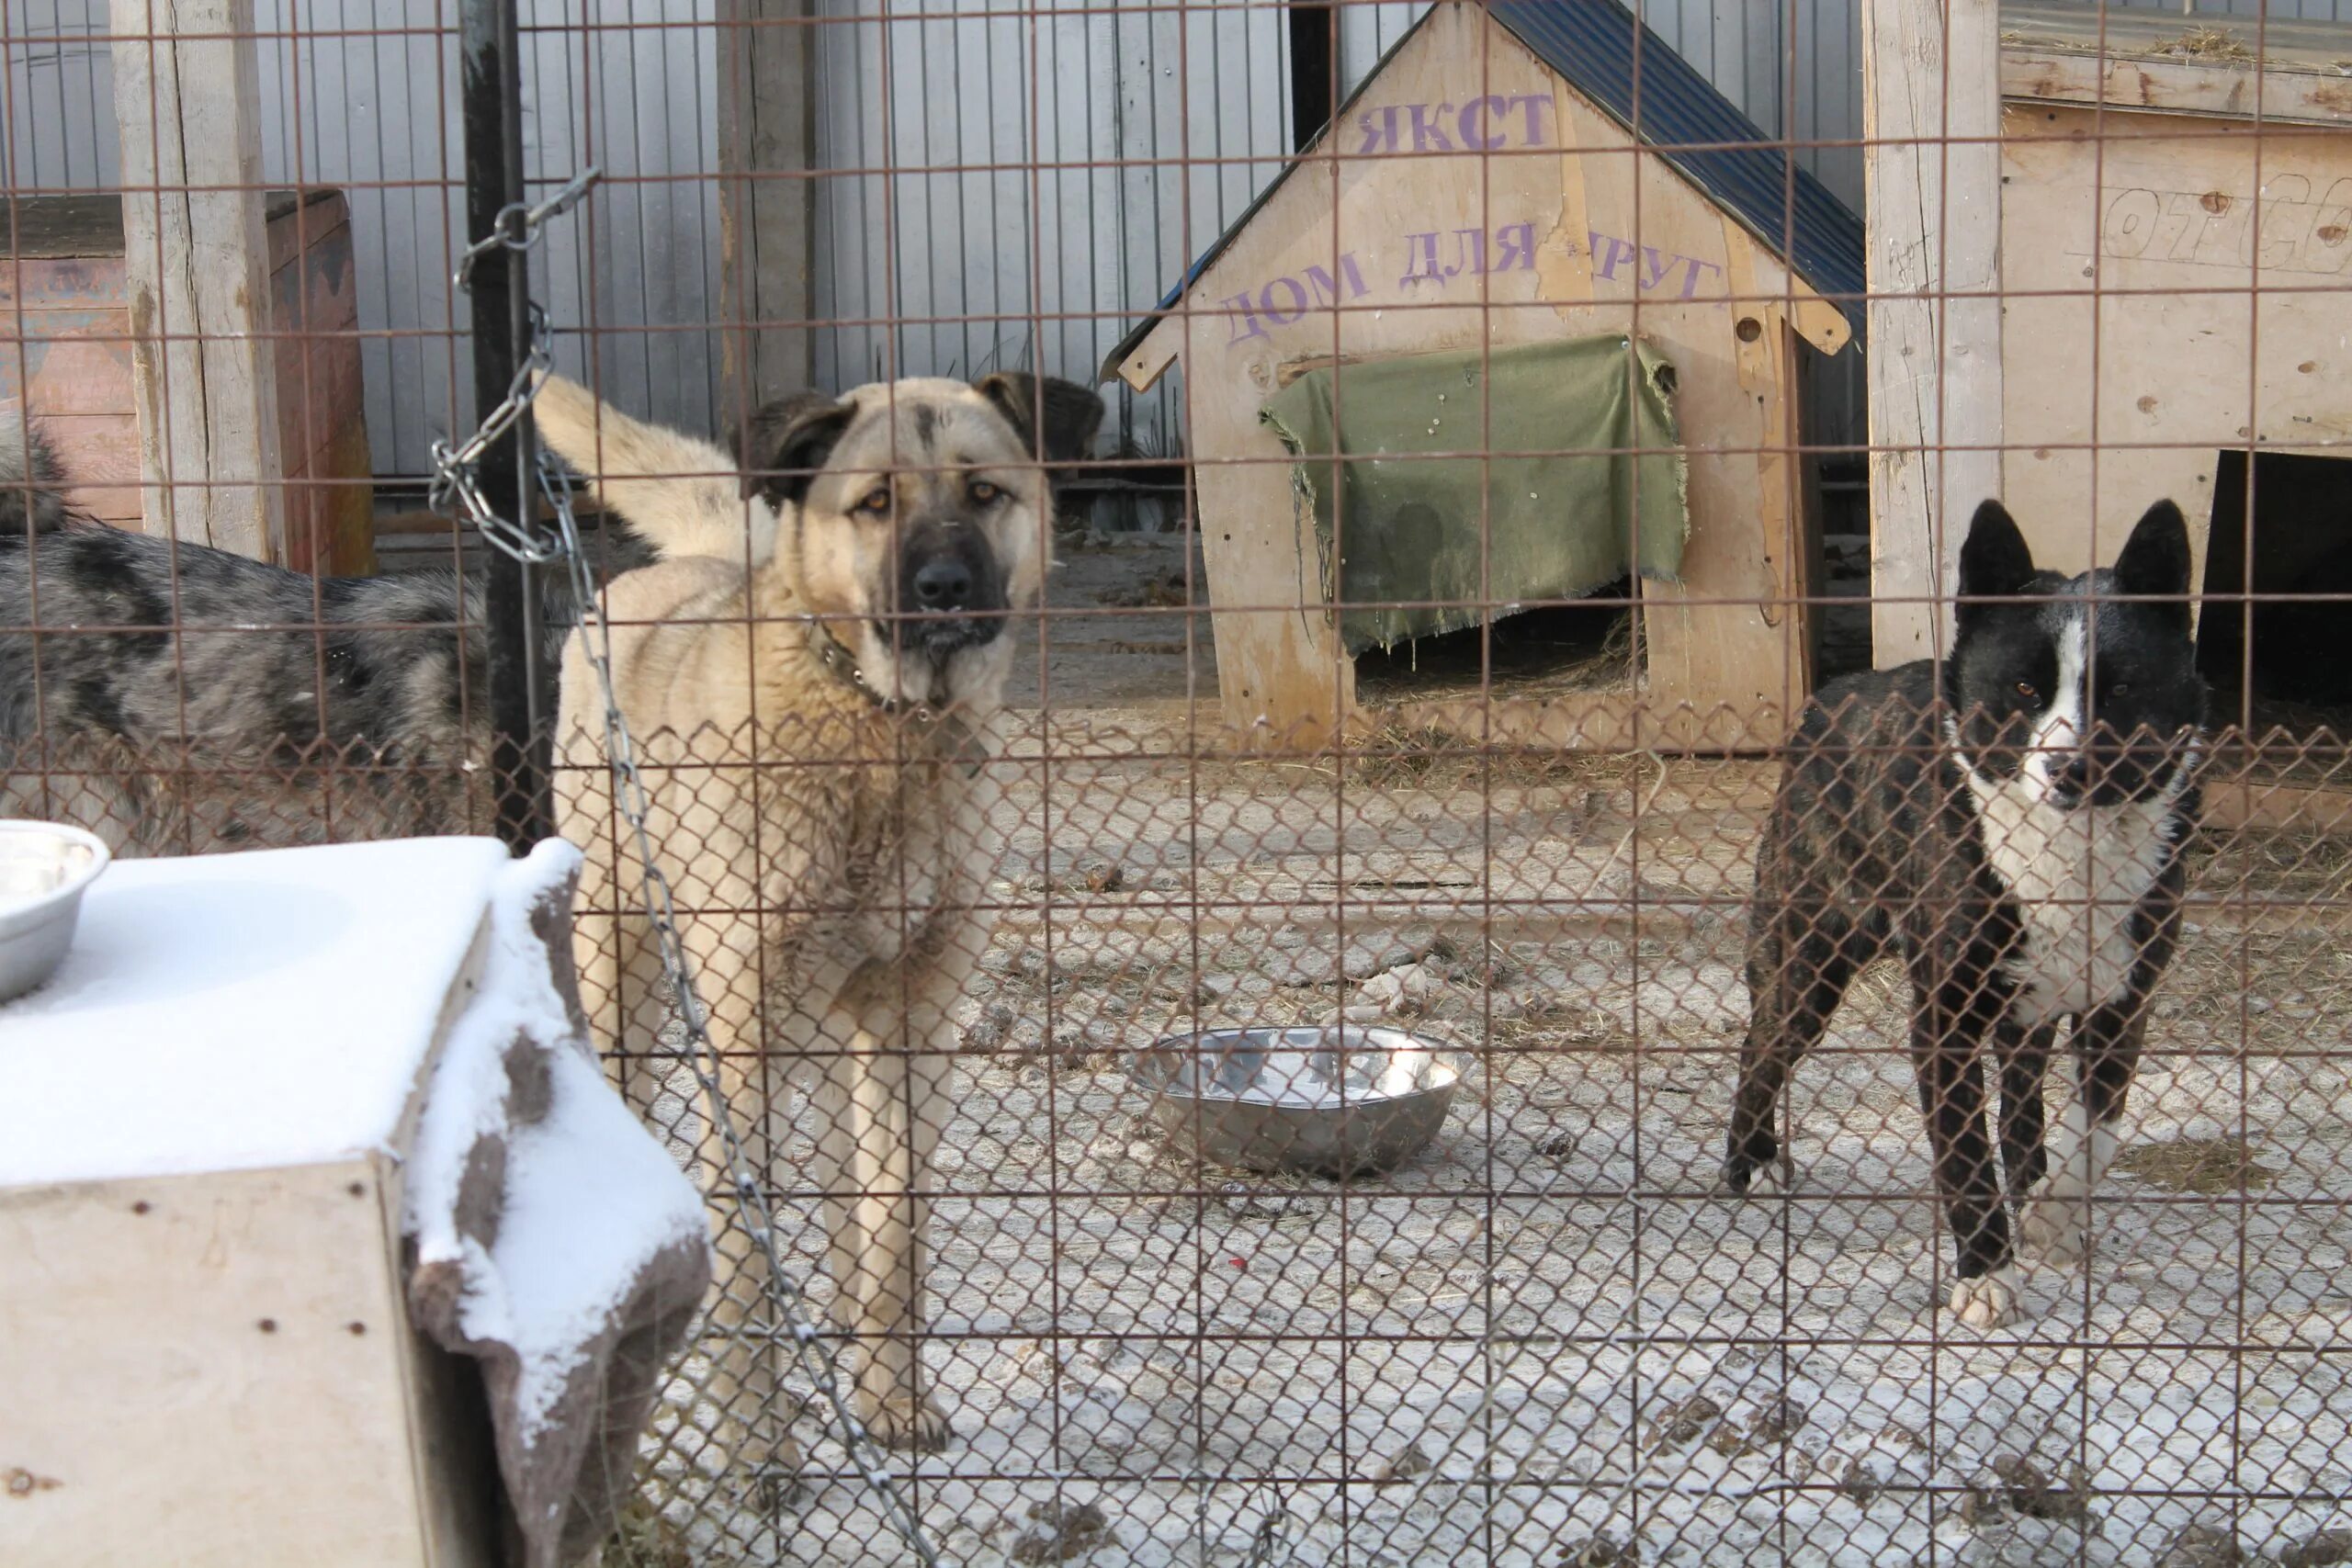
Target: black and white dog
[[2015, 833]]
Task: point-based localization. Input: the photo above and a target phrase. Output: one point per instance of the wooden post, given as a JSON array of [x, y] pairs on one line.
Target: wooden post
[[188, 95], [766, 126], [1931, 103]]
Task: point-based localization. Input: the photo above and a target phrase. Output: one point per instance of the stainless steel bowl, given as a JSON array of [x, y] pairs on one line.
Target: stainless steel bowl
[[45, 867], [1337, 1100]]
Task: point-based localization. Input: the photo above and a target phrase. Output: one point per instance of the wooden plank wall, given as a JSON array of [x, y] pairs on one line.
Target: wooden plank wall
[[2152, 324]]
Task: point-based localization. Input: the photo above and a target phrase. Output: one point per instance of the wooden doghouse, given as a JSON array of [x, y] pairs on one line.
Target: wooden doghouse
[[2151, 276], [68, 292], [1495, 179]]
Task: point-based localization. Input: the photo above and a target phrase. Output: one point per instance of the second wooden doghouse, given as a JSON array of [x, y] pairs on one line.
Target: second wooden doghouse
[[2180, 215], [2144, 231], [1511, 176]]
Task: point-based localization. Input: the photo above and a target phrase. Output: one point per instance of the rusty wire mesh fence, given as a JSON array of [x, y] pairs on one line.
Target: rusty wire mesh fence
[[1242, 1032]]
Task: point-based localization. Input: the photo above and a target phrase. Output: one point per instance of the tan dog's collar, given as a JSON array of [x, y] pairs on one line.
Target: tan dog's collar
[[948, 734]]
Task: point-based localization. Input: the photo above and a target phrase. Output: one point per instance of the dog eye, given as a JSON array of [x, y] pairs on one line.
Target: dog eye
[[2027, 690], [2120, 688], [983, 492], [875, 500]]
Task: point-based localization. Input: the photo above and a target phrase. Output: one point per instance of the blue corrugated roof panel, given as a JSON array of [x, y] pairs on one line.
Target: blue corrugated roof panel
[[1604, 51], [1608, 55]]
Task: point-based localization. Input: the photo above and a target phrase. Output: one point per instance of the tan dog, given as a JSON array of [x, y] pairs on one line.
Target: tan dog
[[812, 677]]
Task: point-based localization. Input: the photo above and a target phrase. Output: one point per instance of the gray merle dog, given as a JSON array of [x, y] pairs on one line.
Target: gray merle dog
[[167, 704], [2015, 833], [164, 704]]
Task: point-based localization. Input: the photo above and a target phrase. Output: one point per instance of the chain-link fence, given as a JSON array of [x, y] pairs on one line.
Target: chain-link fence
[[1387, 869]]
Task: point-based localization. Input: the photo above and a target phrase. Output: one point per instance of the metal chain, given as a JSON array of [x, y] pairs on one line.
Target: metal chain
[[456, 471], [456, 477]]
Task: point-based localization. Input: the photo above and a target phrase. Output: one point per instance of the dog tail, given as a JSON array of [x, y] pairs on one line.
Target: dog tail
[[31, 482], [680, 495]]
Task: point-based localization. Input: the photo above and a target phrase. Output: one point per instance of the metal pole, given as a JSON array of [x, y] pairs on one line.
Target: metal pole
[[499, 294]]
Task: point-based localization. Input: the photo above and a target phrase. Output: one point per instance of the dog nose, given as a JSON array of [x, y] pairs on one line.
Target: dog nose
[[944, 585], [2074, 777]]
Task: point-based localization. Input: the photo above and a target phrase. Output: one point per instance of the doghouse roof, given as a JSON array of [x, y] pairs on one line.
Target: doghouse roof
[[1594, 45]]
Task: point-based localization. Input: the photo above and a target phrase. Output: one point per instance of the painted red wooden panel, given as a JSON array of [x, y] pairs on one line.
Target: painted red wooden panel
[[82, 367], [64, 332], [340, 509], [63, 283], [324, 212], [100, 453]]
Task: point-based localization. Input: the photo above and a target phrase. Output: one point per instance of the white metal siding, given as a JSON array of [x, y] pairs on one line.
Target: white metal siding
[[1033, 181]]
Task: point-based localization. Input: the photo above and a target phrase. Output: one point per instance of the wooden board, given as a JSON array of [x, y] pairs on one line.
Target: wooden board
[[187, 95], [329, 499], [2144, 333], [2210, 64], [2239, 803], [1566, 231], [213, 1372], [766, 127], [1931, 102]]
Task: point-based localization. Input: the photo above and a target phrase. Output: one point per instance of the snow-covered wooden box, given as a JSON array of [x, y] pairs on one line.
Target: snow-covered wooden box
[[206, 1356]]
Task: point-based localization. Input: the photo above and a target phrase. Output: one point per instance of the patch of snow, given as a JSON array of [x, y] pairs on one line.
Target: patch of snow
[[590, 1195], [228, 1013]]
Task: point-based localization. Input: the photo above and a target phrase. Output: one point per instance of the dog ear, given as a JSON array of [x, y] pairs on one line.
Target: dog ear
[[1994, 562], [2155, 562], [786, 442], [1066, 414]]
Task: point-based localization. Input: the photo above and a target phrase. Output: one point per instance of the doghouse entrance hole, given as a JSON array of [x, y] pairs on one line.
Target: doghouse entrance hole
[[1553, 650], [2295, 654]]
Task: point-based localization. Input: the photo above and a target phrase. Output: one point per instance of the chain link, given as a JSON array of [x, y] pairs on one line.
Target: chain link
[[519, 226], [457, 477], [456, 472]]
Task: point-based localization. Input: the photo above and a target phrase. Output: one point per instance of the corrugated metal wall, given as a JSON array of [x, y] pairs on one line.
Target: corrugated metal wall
[[362, 94], [1150, 131], [1012, 166]]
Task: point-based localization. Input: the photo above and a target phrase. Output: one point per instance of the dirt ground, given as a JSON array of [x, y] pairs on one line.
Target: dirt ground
[[1545, 1340], [1117, 629]]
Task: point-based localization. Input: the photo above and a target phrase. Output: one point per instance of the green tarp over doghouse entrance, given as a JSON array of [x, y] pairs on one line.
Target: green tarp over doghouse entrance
[[1573, 510]]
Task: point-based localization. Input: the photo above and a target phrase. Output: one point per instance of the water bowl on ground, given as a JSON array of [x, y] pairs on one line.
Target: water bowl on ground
[[45, 867], [1338, 1101]]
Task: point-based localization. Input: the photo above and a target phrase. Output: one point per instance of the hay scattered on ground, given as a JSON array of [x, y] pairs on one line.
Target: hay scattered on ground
[[1397, 757], [2206, 43], [2209, 1166], [1508, 674], [642, 1538], [2276, 862], [1163, 591]]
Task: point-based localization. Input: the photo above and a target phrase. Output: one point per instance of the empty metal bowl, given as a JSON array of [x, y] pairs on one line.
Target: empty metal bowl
[[45, 867], [1338, 1101]]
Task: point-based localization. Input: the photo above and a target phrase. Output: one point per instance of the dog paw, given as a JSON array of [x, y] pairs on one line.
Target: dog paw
[[907, 1424], [1764, 1178], [2053, 1229], [1987, 1301], [776, 1485]]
